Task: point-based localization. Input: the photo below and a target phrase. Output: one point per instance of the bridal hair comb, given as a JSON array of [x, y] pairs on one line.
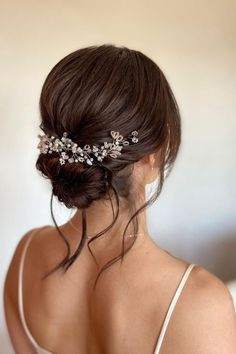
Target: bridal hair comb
[[69, 151]]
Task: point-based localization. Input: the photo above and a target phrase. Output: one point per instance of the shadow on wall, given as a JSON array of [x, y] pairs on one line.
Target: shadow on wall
[[220, 257]]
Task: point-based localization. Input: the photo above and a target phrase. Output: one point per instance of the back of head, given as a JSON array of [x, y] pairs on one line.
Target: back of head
[[93, 91]]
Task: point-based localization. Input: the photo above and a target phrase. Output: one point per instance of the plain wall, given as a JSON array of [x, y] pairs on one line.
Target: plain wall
[[194, 43]]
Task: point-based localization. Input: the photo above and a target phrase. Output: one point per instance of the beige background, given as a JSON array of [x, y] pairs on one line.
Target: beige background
[[194, 42]]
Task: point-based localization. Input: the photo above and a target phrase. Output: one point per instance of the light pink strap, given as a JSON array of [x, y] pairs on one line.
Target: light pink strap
[[172, 306], [20, 289]]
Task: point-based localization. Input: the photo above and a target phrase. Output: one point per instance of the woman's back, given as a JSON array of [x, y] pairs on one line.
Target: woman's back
[[124, 315]]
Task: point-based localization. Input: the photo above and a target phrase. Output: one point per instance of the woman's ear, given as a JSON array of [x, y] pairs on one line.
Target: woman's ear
[[153, 169], [146, 169]]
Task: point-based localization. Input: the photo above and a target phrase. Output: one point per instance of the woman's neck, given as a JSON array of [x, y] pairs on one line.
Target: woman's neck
[[100, 215]]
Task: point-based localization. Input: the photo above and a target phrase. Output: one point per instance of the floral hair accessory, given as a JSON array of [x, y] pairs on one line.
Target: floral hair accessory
[[69, 151]]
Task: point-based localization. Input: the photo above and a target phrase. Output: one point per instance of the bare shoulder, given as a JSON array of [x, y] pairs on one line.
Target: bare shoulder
[[46, 249], [211, 294], [11, 279], [207, 283], [205, 316]]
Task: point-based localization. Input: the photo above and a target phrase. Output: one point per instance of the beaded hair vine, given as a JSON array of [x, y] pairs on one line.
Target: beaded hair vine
[[69, 151]]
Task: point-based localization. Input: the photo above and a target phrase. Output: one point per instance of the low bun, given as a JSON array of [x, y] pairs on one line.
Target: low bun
[[75, 185]]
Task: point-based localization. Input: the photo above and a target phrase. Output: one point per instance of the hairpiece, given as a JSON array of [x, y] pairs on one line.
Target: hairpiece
[[69, 151]]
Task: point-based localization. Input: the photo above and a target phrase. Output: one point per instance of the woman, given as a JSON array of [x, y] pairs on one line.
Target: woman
[[99, 284]]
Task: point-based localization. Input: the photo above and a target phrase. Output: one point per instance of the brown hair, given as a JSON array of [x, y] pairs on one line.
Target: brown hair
[[89, 93]]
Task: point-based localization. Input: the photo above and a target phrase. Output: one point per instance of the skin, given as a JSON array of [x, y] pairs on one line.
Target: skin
[[125, 313]]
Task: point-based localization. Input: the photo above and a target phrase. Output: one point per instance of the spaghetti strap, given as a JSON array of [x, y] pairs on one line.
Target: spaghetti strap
[[20, 292], [172, 306]]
